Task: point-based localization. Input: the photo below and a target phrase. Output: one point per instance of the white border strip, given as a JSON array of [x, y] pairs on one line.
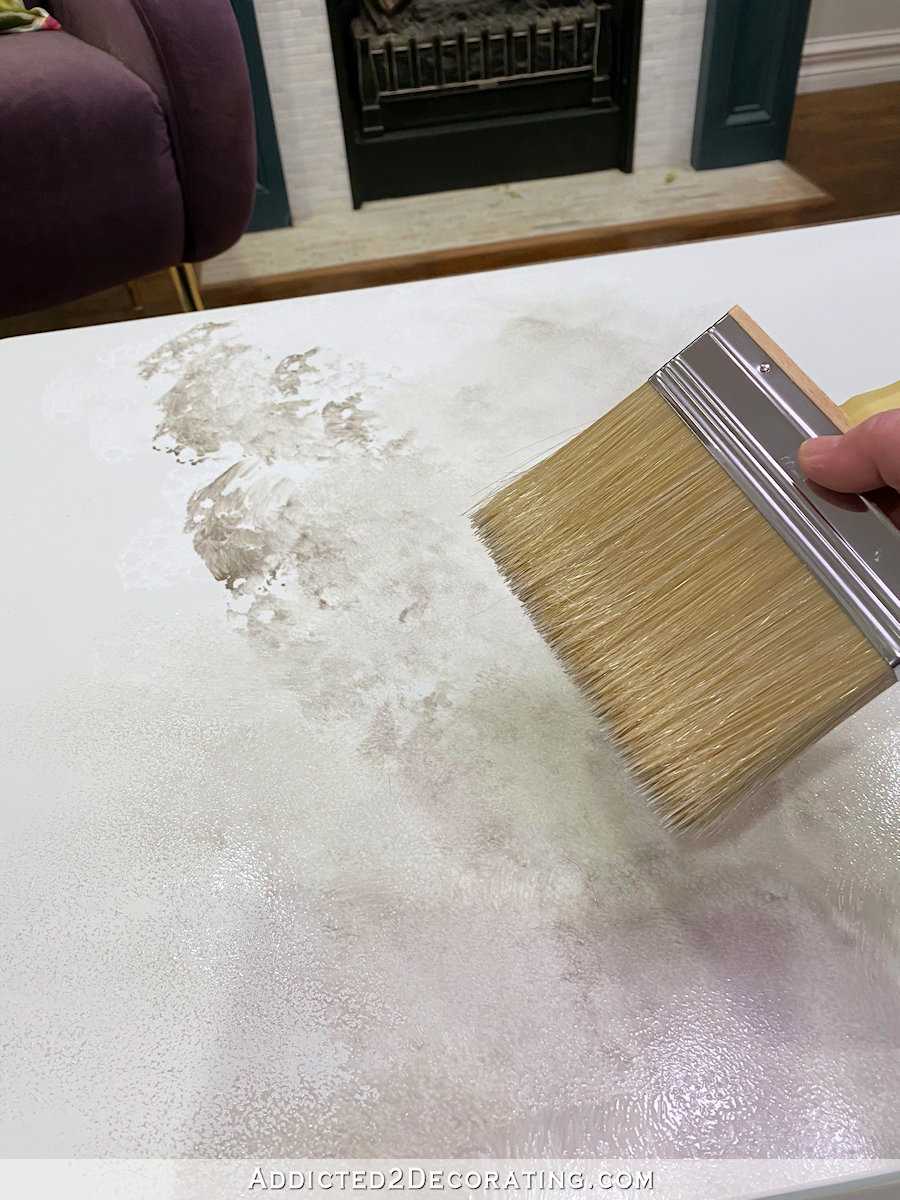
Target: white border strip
[[428, 1179]]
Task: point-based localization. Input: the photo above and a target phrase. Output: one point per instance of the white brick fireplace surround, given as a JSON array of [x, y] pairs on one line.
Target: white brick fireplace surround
[[297, 50]]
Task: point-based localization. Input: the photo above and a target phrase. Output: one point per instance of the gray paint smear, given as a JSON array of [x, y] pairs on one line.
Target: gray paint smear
[[340, 570]]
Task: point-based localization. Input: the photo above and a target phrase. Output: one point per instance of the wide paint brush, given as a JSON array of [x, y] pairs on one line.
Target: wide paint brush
[[719, 612]]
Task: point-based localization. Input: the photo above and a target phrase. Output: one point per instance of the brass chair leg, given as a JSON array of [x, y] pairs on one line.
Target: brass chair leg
[[134, 294], [184, 279]]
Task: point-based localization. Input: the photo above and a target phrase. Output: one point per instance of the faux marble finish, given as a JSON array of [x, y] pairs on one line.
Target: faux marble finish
[[296, 45], [309, 845], [480, 216], [669, 67]]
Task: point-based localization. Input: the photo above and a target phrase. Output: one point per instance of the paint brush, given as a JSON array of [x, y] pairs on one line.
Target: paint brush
[[719, 612]]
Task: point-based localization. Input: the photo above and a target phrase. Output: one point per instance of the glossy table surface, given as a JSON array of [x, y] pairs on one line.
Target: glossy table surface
[[309, 846]]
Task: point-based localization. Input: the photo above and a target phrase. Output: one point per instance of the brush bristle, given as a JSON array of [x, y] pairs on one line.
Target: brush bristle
[[690, 626]]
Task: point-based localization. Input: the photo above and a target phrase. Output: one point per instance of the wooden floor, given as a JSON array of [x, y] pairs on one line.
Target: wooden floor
[[847, 142]]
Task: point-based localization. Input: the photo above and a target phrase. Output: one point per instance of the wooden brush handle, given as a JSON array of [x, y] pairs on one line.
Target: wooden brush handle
[[866, 404], [790, 368], [851, 412]]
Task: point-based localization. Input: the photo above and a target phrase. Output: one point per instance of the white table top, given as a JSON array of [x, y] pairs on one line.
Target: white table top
[[335, 861]]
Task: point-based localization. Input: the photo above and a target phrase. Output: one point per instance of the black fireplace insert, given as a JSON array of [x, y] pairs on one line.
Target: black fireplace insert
[[438, 94]]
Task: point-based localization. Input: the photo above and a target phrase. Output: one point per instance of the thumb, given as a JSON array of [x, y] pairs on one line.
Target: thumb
[[865, 458]]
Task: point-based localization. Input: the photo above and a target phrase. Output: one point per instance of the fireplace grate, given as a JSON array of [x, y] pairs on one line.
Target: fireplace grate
[[418, 77], [452, 94]]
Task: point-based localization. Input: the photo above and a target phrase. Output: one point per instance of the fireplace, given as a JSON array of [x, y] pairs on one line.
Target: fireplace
[[437, 94]]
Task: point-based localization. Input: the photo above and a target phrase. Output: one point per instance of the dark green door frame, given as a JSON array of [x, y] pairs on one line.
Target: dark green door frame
[[271, 209], [748, 80]]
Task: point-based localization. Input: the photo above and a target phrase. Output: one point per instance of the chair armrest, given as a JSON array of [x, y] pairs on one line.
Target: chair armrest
[[192, 56]]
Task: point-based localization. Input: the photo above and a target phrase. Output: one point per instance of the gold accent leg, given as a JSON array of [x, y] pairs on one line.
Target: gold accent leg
[[134, 294], [184, 280]]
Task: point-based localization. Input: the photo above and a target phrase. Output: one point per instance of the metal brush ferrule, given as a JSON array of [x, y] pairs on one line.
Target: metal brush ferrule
[[752, 418]]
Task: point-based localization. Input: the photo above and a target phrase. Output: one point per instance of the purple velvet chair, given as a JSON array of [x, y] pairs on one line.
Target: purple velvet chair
[[126, 146]]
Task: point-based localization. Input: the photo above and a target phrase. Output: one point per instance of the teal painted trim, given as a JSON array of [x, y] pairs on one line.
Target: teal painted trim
[[748, 80], [271, 209]]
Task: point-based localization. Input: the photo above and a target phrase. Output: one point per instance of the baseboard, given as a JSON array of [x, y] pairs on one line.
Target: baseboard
[[851, 60]]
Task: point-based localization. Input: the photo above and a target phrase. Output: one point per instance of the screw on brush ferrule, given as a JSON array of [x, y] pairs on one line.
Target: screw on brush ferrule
[[752, 417]]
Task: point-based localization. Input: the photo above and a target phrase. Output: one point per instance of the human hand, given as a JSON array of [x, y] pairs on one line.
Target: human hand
[[866, 458], [863, 460]]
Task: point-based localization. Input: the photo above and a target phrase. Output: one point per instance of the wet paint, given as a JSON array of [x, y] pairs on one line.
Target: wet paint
[[310, 845]]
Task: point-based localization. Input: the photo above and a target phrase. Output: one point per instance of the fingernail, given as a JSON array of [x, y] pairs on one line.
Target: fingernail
[[816, 449]]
